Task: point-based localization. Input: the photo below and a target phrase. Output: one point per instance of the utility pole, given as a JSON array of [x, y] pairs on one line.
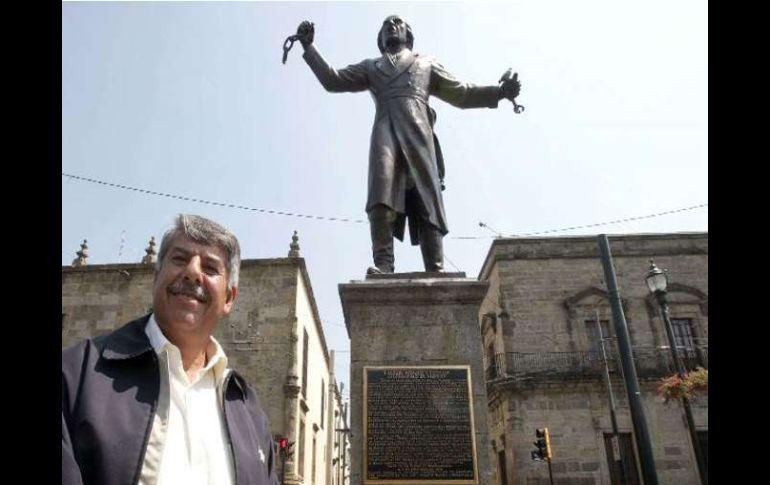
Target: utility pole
[[629, 371]]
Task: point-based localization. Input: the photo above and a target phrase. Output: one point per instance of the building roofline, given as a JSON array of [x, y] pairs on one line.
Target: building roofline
[[313, 306], [126, 266], [620, 250]]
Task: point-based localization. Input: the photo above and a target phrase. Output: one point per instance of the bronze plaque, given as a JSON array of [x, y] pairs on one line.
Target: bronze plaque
[[418, 425]]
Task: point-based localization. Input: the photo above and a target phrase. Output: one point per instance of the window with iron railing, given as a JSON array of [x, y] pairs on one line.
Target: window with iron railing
[[692, 355], [683, 337], [650, 362], [593, 334]]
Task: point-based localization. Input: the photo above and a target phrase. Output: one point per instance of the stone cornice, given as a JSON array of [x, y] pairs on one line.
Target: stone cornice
[[414, 291], [425, 290], [574, 247]]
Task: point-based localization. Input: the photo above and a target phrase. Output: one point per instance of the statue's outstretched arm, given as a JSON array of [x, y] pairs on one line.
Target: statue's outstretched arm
[[463, 95], [466, 95], [350, 79]]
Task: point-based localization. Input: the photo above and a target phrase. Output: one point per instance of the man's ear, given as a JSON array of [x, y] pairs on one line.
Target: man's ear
[[232, 295]]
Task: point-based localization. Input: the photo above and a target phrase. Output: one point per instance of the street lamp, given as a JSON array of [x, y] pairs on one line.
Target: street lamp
[[657, 283]]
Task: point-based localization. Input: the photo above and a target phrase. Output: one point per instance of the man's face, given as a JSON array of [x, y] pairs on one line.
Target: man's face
[[393, 30], [190, 293]]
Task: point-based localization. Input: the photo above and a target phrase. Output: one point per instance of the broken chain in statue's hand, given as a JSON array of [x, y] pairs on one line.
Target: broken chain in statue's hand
[[305, 34]]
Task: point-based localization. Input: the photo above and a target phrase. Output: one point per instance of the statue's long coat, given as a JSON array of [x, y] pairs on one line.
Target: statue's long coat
[[402, 140]]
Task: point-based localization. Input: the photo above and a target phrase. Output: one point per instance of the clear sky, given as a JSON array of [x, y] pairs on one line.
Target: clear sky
[[191, 99]]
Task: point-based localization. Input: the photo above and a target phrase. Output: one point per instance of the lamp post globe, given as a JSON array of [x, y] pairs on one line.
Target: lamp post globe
[[656, 279]]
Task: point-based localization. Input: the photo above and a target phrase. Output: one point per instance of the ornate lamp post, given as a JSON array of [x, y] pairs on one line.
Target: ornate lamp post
[[657, 283]]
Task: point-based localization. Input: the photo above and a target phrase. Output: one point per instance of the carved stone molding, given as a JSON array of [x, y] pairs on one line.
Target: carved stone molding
[[579, 302], [291, 389], [488, 320]]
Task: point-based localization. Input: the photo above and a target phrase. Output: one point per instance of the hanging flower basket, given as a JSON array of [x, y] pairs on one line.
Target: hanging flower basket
[[693, 384]]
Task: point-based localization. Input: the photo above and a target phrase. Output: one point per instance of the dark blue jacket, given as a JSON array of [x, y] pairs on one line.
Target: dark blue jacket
[[110, 387]]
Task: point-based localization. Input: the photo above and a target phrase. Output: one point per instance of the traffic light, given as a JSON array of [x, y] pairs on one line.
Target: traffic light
[[542, 449]]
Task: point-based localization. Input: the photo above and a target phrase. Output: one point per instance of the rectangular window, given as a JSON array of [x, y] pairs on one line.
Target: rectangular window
[[312, 471], [626, 448], [501, 464], [682, 328], [301, 452], [592, 330], [323, 403], [305, 340], [491, 367], [685, 342]]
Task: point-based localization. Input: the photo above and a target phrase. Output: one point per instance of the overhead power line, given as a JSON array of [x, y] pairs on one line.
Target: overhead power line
[[360, 221], [618, 221], [209, 202]]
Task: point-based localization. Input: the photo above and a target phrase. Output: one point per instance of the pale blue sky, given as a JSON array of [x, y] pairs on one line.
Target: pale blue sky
[[191, 99]]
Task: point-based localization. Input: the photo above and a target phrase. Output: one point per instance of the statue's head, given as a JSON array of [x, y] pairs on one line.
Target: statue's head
[[394, 30]]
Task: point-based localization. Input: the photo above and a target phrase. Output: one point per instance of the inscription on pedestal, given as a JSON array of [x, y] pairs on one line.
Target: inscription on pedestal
[[418, 425]]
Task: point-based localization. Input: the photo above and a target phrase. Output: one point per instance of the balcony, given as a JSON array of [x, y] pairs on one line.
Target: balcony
[[651, 363]]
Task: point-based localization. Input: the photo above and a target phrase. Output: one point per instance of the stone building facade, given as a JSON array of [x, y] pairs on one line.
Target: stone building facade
[[543, 362], [273, 337]]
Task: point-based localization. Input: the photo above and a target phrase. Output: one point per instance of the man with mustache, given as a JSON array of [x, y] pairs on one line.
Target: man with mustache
[[406, 167], [154, 401]]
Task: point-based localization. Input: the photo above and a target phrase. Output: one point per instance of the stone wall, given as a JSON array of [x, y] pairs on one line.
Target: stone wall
[[415, 319], [318, 379], [543, 291]]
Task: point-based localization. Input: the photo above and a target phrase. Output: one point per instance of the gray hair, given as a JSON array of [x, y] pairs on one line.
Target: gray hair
[[207, 232]]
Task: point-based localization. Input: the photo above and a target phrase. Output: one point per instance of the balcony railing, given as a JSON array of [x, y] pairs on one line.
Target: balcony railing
[[649, 362]]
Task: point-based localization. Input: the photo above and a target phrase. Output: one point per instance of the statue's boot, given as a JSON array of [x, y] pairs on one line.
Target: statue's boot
[[381, 219], [432, 248]]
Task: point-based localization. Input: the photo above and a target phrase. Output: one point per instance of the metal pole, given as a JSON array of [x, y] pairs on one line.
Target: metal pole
[[629, 371], [345, 446], [550, 472], [613, 418], [679, 365]]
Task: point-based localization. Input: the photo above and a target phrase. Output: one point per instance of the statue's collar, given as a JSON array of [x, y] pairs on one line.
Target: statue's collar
[[394, 64]]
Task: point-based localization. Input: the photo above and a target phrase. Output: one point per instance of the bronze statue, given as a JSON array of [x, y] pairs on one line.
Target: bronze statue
[[406, 167]]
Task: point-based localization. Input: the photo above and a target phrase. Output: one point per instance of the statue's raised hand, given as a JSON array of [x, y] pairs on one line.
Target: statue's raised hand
[[306, 32], [509, 89], [510, 86]]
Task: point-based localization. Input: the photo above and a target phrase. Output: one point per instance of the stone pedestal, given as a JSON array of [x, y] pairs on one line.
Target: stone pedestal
[[413, 320]]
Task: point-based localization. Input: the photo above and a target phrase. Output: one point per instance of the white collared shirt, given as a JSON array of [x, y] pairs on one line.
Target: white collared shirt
[[188, 441]]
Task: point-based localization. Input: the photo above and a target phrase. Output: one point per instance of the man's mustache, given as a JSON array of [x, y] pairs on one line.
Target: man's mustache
[[188, 288]]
